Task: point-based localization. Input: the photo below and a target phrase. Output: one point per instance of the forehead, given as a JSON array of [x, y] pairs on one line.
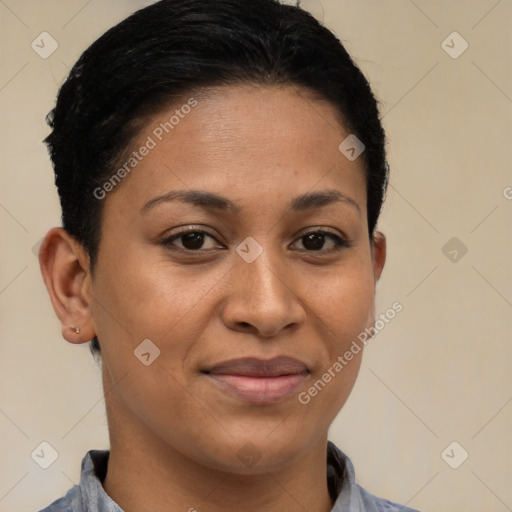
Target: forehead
[[242, 141]]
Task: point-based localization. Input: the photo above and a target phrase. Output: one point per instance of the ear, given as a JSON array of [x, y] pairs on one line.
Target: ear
[[65, 268], [378, 248]]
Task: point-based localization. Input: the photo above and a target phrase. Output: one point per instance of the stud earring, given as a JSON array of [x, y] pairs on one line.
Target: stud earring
[[76, 329]]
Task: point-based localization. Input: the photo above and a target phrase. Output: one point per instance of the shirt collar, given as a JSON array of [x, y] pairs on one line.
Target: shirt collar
[[94, 470], [341, 480]]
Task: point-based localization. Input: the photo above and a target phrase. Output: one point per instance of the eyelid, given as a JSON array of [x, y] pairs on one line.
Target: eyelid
[[341, 241], [322, 230], [183, 230]]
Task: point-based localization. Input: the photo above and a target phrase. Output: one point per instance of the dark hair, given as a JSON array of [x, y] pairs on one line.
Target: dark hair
[[166, 50]]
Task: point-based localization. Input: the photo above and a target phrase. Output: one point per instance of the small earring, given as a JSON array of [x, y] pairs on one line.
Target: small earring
[[76, 329]]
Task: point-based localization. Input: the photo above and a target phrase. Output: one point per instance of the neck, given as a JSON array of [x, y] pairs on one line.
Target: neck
[[146, 475]]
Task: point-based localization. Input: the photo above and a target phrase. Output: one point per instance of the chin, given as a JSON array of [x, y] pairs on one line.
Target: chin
[[257, 454]]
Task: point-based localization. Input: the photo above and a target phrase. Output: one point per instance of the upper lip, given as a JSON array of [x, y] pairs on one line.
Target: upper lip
[[256, 367]]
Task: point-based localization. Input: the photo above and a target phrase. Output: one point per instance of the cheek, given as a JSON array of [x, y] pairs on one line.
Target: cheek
[[142, 301], [342, 302], [164, 301]]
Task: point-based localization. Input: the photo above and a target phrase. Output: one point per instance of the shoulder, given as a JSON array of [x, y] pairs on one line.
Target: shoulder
[[375, 504], [350, 495], [71, 502], [88, 494]]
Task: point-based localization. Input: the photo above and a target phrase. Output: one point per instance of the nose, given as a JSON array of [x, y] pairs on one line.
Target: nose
[[261, 297]]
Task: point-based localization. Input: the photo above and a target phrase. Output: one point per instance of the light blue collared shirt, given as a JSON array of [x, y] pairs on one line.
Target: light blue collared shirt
[[89, 495]]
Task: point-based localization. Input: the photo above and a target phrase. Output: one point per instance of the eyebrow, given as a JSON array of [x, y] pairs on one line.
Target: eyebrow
[[209, 201]]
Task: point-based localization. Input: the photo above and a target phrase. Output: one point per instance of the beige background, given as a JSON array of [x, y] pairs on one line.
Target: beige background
[[439, 372]]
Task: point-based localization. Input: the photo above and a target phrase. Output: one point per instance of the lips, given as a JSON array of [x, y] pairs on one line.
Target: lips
[[257, 380], [254, 367]]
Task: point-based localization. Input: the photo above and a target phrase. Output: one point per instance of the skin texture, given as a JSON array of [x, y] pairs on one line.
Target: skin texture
[[176, 438]]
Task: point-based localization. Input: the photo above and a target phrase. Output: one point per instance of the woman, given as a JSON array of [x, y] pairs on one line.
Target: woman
[[221, 169]]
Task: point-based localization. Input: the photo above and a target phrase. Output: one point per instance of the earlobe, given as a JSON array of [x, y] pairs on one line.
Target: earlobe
[[63, 264], [378, 254]]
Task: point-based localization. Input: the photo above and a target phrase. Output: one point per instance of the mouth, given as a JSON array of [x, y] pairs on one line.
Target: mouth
[[257, 380]]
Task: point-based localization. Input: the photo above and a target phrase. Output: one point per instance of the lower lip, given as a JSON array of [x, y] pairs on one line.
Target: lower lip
[[259, 390]]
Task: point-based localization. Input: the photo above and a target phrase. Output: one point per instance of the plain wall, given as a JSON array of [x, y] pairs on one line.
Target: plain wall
[[439, 372]]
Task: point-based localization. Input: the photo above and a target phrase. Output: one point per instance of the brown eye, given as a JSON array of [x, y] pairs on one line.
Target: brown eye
[[191, 240], [315, 241]]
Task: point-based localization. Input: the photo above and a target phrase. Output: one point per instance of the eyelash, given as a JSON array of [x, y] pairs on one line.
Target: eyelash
[[340, 243]]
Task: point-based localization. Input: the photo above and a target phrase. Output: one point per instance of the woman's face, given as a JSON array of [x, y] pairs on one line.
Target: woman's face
[[253, 285]]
